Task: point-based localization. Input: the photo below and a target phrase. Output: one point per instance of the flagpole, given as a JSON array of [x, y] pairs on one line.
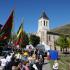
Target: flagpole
[[13, 28], [13, 17], [22, 22]]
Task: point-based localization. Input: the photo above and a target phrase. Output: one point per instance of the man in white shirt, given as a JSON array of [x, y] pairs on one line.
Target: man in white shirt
[[3, 62], [8, 58]]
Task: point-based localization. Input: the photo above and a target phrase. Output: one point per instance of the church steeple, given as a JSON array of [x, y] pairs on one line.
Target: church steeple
[[44, 16], [43, 27], [43, 22]]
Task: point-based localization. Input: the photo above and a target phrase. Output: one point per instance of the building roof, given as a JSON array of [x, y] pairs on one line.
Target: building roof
[[43, 15], [59, 34]]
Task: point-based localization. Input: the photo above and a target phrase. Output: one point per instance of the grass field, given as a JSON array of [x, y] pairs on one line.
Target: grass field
[[64, 62]]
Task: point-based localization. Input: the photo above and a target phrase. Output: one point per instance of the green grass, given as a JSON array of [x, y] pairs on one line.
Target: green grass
[[64, 62]]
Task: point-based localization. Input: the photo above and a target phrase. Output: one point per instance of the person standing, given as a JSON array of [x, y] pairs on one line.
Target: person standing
[[3, 62]]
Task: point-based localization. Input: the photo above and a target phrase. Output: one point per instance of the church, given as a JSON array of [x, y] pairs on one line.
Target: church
[[44, 32]]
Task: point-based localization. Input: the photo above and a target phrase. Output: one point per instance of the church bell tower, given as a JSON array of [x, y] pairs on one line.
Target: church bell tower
[[43, 27]]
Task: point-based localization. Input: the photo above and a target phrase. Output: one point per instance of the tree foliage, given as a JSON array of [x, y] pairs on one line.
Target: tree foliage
[[34, 40], [25, 40], [68, 38], [62, 41]]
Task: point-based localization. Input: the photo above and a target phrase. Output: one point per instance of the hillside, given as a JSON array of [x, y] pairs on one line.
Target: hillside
[[62, 29]]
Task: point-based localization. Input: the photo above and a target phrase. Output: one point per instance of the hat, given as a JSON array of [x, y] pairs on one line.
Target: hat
[[25, 54]]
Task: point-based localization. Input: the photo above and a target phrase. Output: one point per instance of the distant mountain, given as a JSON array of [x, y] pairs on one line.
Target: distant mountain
[[62, 29]]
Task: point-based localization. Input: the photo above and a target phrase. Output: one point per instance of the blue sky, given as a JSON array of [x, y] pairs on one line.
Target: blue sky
[[58, 12]]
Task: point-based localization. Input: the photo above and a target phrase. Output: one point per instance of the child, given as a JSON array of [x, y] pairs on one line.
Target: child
[[55, 65]]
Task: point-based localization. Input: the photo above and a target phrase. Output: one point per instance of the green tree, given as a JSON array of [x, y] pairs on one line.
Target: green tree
[[68, 38], [34, 40], [63, 43], [25, 40]]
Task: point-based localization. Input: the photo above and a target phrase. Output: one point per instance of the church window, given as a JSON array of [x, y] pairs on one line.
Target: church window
[[42, 36], [49, 37], [44, 23], [41, 23]]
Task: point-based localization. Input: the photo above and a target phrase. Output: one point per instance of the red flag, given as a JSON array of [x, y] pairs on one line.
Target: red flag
[[6, 29], [18, 41]]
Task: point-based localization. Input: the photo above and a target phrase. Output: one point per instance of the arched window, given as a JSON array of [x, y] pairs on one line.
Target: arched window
[[44, 23], [40, 23], [49, 38]]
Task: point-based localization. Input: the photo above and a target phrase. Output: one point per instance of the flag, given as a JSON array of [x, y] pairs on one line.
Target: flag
[[20, 30], [6, 29], [19, 35]]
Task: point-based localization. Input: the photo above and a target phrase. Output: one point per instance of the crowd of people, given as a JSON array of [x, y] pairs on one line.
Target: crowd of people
[[23, 60]]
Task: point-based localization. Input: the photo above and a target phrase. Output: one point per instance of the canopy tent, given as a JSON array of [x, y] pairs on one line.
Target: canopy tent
[[47, 47], [40, 46], [43, 47]]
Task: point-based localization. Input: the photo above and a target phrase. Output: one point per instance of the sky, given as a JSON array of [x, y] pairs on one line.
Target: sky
[[29, 11]]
